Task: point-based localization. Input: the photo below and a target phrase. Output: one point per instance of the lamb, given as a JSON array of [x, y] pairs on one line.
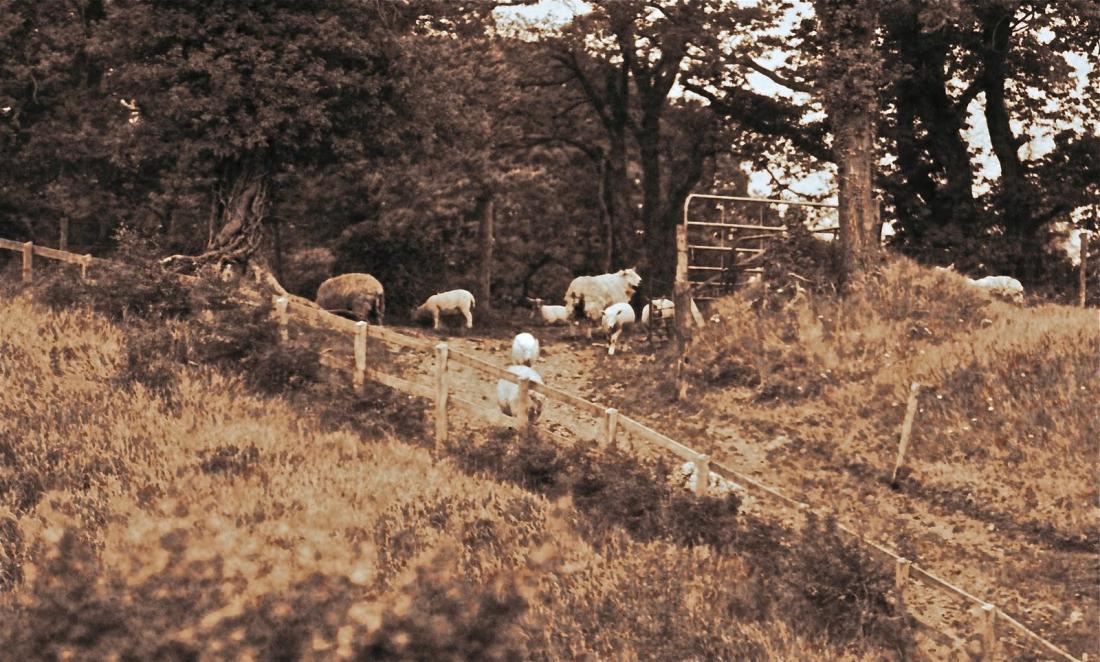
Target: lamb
[[549, 315], [588, 296], [664, 312], [360, 295], [508, 393], [1005, 287], [616, 318], [452, 302], [525, 349]]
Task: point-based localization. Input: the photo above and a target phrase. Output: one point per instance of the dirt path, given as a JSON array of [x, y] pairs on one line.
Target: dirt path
[[1007, 566]]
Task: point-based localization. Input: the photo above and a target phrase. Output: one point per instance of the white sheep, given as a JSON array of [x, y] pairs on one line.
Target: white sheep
[[1005, 287], [525, 349], [549, 315], [508, 393], [616, 318], [453, 302], [588, 296]]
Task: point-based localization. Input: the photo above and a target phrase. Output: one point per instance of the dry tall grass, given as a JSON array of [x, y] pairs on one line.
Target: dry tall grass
[[1008, 410], [221, 524]]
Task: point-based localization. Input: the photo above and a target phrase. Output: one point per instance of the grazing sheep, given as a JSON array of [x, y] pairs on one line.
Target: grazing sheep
[[1005, 287], [525, 349], [453, 302], [549, 315], [664, 314], [588, 296], [508, 393], [360, 295], [616, 318]]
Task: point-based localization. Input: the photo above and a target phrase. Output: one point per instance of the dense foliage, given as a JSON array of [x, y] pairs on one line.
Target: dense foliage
[[386, 132]]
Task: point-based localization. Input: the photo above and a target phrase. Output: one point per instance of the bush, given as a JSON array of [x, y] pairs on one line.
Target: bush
[[840, 592], [613, 488]]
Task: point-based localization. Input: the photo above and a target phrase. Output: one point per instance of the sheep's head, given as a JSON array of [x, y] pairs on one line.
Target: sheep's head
[[633, 280]]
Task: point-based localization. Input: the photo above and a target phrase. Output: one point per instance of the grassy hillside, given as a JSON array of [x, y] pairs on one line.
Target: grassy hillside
[[998, 489], [152, 505], [1008, 410]]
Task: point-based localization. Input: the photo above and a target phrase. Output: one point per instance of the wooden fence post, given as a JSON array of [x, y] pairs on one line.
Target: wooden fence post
[[281, 318], [1083, 272], [702, 474], [681, 294], [987, 629], [524, 413], [84, 264], [441, 394], [906, 427], [610, 426], [360, 354], [28, 261], [901, 579], [63, 238]]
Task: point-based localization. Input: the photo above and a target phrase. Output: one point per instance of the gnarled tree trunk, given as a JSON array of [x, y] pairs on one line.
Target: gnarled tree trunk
[[236, 221]]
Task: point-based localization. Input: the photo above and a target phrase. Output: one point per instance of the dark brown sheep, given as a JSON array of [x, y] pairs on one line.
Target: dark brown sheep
[[360, 295]]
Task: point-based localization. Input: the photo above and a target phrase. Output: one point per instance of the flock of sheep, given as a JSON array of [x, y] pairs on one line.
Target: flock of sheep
[[602, 301]]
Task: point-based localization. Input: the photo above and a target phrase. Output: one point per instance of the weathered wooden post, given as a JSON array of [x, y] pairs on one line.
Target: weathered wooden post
[[360, 354], [906, 427], [524, 413], [441, 394], [281, 317], [63, 238], [610, 426], [901, 580], [987, 628], [28, 261], [681, 294], [85, 262], [1083, 271], [702, 474]]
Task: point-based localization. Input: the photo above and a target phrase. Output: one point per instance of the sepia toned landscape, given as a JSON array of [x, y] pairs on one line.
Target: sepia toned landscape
[[549, 330]]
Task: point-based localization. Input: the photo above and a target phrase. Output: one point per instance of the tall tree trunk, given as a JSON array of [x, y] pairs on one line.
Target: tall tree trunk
[[852, 76], [660, 236], [854, 143], [485, 234], [607, 202]]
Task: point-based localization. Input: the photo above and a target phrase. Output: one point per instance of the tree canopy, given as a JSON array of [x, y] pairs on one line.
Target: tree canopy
[[383, 134]]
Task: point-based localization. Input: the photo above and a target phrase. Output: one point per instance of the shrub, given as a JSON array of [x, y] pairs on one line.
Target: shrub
[[840, 592], [613, 488]]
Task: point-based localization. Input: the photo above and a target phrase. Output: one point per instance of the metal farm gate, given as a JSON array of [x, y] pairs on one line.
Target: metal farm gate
[[728, 236]]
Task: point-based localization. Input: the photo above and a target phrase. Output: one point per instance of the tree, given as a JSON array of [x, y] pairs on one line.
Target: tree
[[1010, 57], [57, 165], [233, 99], [621, 63], [851, 77]]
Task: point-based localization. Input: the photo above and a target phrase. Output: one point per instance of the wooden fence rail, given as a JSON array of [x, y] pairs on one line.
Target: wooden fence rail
[[614, 423]]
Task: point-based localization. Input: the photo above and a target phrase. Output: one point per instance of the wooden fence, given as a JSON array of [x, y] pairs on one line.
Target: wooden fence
[[614, 424]]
